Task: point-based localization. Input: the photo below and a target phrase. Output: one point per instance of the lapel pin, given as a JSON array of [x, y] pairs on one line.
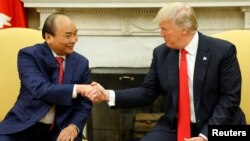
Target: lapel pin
[[204, 58]]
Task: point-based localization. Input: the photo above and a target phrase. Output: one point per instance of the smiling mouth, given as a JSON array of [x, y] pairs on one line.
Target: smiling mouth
[[71, 47]]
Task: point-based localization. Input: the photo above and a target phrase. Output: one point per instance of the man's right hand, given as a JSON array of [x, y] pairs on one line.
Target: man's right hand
[[95, 92], [101, 94]]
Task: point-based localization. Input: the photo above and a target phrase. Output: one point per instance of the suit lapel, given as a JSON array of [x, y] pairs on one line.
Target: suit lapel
[[173, 71], [50, 63], [200, 70]]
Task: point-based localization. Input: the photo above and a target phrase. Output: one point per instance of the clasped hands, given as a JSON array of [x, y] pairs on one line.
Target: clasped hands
[[95, 92]]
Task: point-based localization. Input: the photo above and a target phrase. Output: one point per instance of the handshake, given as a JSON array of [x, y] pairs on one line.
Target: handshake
[[95, 92]]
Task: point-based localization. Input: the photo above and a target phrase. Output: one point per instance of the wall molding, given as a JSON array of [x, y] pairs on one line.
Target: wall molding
[[130, 3], [139, 21]]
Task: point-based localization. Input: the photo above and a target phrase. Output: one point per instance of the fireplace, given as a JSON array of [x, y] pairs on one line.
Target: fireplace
[[108, 124]]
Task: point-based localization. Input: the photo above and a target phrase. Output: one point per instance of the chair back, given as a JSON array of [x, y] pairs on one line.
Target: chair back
[[13, 39], [241, 39]]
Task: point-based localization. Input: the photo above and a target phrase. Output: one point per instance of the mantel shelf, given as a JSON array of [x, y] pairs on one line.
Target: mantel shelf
[[129, 3]]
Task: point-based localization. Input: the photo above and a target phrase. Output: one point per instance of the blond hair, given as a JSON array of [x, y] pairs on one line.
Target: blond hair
[[182, 15]]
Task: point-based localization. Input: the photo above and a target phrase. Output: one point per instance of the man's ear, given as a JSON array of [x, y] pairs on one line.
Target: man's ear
[[184, 30], [48, 38]]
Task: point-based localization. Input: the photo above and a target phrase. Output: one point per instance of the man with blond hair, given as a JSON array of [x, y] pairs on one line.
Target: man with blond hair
[[212, 84]]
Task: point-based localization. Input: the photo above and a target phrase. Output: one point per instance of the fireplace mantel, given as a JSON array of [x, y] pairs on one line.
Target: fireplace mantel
[[129, 3], [134, 17], [123, 31]]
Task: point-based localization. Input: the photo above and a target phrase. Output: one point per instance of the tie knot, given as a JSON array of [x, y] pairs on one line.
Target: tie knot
[[59, 60], [183, 52]]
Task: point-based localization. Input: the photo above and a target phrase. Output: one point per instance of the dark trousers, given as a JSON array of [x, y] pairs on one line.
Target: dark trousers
[[166, 135], [37, 132]]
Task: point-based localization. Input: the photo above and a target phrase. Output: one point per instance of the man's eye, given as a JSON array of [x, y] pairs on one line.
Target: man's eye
[[164, 29], [67, 36]]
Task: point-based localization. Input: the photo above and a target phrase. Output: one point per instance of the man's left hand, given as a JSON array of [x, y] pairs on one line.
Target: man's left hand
[[68, 134], [195, 139]]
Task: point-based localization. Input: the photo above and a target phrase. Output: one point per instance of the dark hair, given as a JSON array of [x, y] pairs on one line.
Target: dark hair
[[49, 24]]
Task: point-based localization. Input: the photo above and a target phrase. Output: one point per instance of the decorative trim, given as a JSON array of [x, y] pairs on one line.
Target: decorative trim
[[214, 20], [246, 10], [109, 11], [49, 10], [129, 3], [131, 21], [138, 21], [218, 10]]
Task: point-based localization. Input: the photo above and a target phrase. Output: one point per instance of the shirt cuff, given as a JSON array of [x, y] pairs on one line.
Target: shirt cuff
[[77, 129], [74, 94], [203, 136], [111, 101]]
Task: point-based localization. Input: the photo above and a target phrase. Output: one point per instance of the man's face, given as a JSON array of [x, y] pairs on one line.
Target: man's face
[[62, 43], [172, 35]]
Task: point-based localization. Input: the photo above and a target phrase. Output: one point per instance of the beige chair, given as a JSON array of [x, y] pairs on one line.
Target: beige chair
[[12, 39], [241, 38]]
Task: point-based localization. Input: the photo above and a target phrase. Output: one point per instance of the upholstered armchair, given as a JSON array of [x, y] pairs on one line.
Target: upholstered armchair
[[12, 39], [241, 38]]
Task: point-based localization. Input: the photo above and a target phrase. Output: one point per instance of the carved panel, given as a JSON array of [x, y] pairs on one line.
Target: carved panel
[[246, 10], [139, 22], [214, 20]]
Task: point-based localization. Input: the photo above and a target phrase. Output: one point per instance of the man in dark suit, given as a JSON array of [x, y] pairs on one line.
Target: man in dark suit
[[46, 109], [214, 79]]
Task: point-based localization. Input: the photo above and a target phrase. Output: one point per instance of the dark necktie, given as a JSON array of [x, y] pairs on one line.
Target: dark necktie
[[60, 68], [183, 100]]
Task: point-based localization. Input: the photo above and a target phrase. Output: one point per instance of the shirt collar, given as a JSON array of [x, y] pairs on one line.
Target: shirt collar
[[55, 55], [192, 46]]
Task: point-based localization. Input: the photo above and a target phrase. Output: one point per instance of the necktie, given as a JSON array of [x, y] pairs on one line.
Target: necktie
[[60, 67], [183, 100], [59, 61]]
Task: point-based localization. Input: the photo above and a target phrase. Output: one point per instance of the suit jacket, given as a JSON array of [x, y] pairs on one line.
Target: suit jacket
[[216, 86], [40, 90]]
